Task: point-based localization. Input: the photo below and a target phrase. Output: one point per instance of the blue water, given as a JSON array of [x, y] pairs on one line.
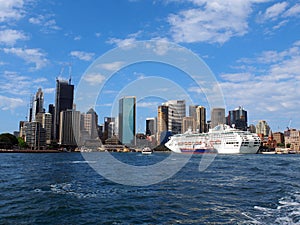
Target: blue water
[[234, 189]]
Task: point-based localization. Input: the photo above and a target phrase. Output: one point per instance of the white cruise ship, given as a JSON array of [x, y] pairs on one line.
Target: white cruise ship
[[222, 139]]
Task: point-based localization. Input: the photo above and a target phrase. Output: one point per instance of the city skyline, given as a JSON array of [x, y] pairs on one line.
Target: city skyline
[[252, 47]]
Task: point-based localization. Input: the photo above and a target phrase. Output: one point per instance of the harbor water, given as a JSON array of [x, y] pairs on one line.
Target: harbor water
[[61, 188]]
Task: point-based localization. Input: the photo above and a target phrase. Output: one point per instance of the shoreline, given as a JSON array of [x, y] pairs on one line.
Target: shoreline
[[28, 151]]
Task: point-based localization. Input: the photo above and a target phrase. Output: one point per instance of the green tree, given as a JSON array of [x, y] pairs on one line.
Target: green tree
[[22, 143], [8, 140]]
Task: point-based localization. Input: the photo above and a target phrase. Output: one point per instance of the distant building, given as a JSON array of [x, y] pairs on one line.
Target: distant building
[[151, 124], [238, 117], [162, 121], [63, 101], [51, 110], [109, 128], [89, 124], [199, 114], [217, 117], [69, 132], [176, 112], [278, 136], [252, 128], [262, 127], [35, 135], [127, 120], [188, 123], [36, 105], [45, 119], [292, 138]]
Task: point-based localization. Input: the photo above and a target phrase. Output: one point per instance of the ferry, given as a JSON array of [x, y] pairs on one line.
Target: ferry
[[222, 139]]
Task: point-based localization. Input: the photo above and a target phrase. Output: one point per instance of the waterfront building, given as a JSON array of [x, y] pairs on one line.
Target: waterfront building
[[45, 119], [262, 127], [51, 110], [162, 121], [188, 123], [109, 128], [176, 112], [217, 117], [252, 128], [35, 135], [278, 136], [127, 120], [63, 101], [238, 117], [89, 124], [199, 114], [151, 124], [36, 105], [292, 139], [22, 132], [69, 132]]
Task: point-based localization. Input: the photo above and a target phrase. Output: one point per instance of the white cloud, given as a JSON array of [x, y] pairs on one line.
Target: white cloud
[[113, 66], [85, 56], [211, 21], [122, 43], [11, 10], [10, 37], [77, 38], [236, 77], [275, 10], [94, 78], [15, 84], [7, 103], [148, 104], [47, 23], [49, 90], [293, 11], [30, 55], [98, 34], [274, 89]]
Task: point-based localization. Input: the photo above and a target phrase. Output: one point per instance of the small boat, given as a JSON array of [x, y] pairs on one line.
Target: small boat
[[147, 151]]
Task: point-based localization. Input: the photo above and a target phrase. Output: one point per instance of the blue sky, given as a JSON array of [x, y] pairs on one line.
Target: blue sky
[[252, 47]]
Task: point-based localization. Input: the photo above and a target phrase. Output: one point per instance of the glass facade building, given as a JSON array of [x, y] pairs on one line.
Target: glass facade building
[[127, 120]]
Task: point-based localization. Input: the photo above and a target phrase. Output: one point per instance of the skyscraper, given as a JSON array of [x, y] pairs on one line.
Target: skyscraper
[[262, 127], [127, 120], [45, 119], [176, 112], [36, 105], [238, 117], [188, 123], [89, 123], [217, 117], [151, 126], [162, 121], [69, 133], [63, 101]]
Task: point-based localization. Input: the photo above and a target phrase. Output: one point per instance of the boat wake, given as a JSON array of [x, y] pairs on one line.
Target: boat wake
[[287, 211]]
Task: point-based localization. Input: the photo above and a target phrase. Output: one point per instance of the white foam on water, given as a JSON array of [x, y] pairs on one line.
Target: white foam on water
[[287, 211], [70, 189]]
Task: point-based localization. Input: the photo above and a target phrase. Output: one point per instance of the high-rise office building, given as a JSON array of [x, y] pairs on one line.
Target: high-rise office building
[[162, 121], [89, 124], [201, 125], [35, 135], [127, 120], [109, 128], [36, 105], [262, 127], [238, 117], [151, 126], [63, 101], [188, 123], [69, 132], [45, 119], [217, 117], [176, 112]]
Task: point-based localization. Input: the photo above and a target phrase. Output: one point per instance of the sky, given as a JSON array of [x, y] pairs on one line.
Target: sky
[[251, 46]]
